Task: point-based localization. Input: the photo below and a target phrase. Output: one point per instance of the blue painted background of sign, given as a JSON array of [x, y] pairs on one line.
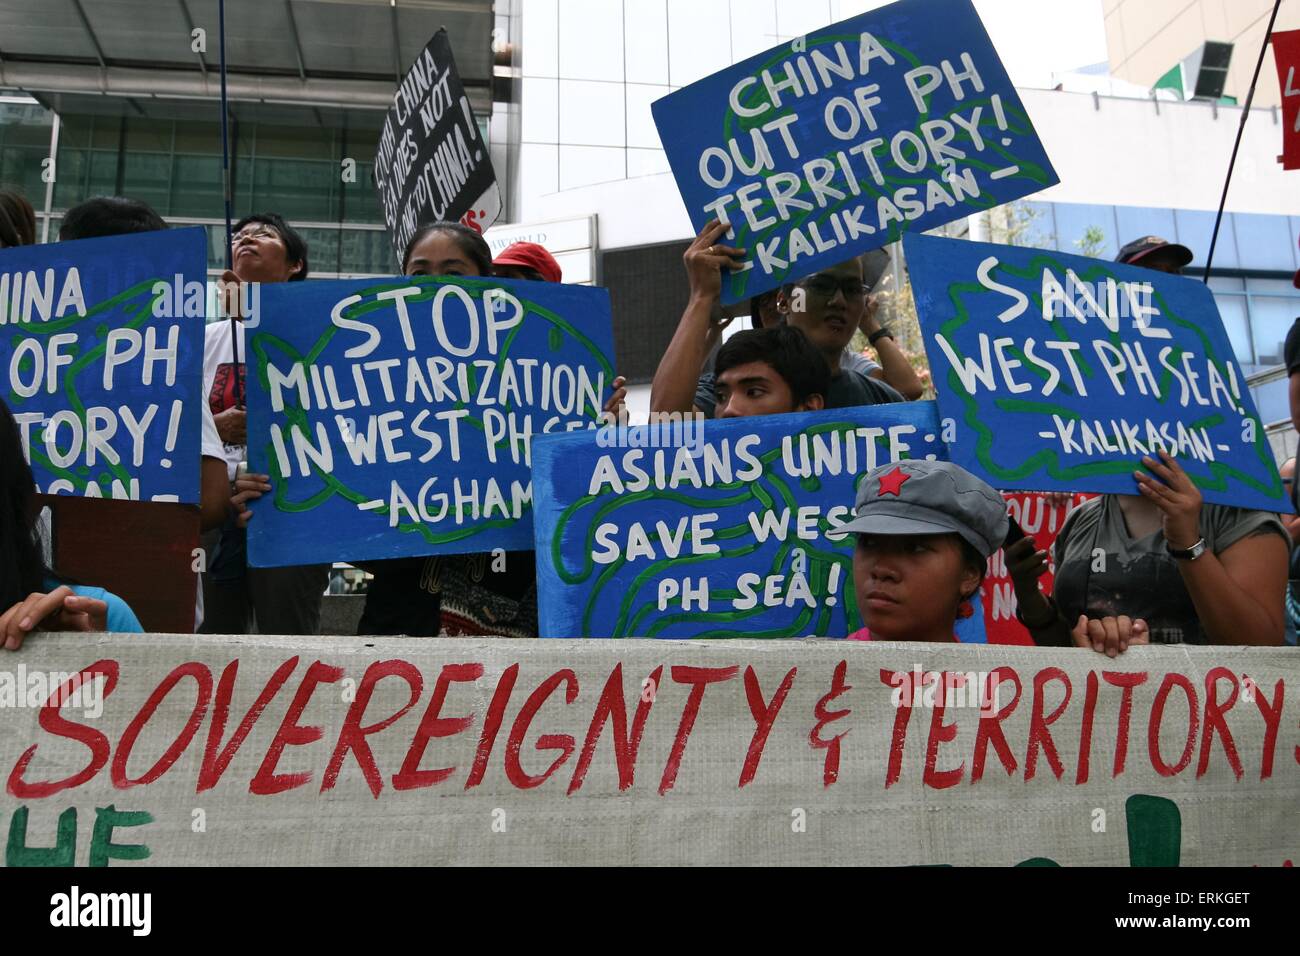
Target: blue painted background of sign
[[597, 583], [1025, 424], [527, 367], [151, 428], [927, 167]]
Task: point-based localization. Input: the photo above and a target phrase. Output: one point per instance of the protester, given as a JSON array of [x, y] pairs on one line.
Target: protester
[[264, 249], [769, 371], [1163, 565], [17, 220], [1159, 566], [32, 596], [442, 595], [109, 216], [827, 307], [1152, 252], [1291, 521], [897, 371], [527, 260], [925, 531]]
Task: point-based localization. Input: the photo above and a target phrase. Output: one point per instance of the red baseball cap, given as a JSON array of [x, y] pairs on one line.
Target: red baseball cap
[[529, 255]]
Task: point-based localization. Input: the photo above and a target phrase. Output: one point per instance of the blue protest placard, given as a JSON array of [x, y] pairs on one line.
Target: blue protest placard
[[691, 528], [395, 417], [101, 349], [894, 121], [1060, 372]]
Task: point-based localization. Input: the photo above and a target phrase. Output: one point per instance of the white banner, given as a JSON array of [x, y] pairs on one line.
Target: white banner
[[214, 750]]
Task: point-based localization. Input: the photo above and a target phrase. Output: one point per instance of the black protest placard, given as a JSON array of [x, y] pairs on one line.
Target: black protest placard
[[432, 164]]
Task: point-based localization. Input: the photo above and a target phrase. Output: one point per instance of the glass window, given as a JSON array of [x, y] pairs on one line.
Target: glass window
[[1271, 318], [1272, 400], [1264, 242], [1032, 224], [539, 114], [798, 17], [196, 186], [646, 40], [640, 123], [1134, 222], [698, 39], [591, 40], [1236, 322], [1195, 229], [1075, 222], [591, 114], [539, 28], [585, 165], [753, 30], [368, 250]]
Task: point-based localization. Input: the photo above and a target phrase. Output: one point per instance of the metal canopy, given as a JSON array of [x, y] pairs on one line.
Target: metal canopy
[[292, 61]]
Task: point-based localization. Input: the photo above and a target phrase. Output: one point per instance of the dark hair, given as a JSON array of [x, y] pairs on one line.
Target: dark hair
[[17, 220], [295, 246], [470, 242], [109, 216], [786, 350], [22, 564]]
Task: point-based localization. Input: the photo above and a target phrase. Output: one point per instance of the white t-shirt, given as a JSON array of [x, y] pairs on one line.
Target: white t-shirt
[[219, 384]]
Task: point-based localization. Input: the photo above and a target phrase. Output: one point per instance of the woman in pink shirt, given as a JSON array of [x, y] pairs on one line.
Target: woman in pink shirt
[[925, 531]]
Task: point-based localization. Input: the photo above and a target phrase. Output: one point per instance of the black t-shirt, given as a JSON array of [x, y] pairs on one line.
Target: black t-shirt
[[848, 389], [1291, 351]]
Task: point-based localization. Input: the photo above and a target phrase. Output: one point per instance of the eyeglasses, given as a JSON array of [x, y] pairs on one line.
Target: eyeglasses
[[826, 286], [264, 232]]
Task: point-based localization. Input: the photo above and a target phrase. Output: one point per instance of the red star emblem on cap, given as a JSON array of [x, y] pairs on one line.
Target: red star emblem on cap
[[892, 483]]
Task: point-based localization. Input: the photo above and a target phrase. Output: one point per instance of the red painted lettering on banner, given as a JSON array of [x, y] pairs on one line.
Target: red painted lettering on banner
[[215, 761], [1085, 728], [1126, 680], [1214, 722], [1272, 714], [561, 742], [1039, 734], [990, 725], [902, 697], [764, 715], [612, 706], [1171, 681], [292, 734], [352, 736], [432, 725], [699, 678], [53, 722], [492, 725], [831, 768], [940, 733], [203, 678]]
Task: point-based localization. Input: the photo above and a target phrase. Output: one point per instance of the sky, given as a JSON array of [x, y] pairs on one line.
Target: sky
[[1034, 38]]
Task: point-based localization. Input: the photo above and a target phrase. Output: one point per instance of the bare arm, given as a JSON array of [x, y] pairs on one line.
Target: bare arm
[[895, 369], [673, 387], [214, 493], [1237, 594]]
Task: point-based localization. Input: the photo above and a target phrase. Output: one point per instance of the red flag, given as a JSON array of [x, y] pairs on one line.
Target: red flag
[[1286, 50]]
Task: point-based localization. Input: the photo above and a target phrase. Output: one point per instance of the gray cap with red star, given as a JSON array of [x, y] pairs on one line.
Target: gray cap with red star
[[928, 497]]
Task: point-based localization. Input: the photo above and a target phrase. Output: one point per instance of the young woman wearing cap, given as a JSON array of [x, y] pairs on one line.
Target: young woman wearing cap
[[925, 530]]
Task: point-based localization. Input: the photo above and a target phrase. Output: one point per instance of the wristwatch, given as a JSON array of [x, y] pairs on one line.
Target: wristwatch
[[1187, 554], [880, 333]]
